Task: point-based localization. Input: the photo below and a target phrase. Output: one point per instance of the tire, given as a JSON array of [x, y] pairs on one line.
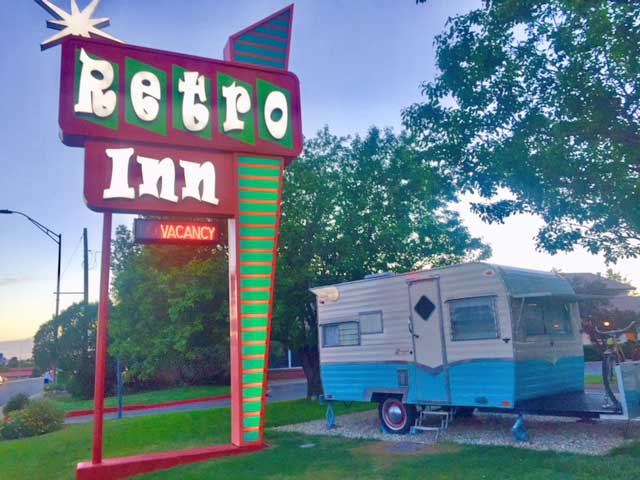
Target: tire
[[395, 416]]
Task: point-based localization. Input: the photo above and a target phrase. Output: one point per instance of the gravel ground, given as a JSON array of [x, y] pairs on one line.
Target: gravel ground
[[545, 433]]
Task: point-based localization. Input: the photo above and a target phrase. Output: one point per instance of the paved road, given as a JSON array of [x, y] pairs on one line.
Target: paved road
[[278, 392], [28, 386]]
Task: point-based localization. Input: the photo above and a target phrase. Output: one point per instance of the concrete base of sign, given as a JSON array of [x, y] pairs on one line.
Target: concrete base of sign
[[126, 467]]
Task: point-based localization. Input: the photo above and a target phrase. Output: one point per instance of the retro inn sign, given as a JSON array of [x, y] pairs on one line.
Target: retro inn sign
[[162, 131], [167, 134]]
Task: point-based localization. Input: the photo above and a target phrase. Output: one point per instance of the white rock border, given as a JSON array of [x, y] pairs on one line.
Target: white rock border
[[558, 434]]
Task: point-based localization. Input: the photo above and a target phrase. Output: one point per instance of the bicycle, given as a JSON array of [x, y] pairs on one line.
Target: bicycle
[[612, 356]]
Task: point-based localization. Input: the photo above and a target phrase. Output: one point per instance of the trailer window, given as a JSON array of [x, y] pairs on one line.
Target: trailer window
[[340, 334], [534, 319], [473, 318], [559, 318], [370, 322], [546, 317]]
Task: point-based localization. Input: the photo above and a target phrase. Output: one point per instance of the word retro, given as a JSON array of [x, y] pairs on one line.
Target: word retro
[[157, 231], [158, 180], [119, 92]]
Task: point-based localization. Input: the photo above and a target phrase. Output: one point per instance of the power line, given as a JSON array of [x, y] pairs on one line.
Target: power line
[[72, 255]]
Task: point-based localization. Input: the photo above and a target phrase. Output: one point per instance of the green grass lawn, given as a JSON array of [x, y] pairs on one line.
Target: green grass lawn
[[593, 379], [151, 397], [54, 456]]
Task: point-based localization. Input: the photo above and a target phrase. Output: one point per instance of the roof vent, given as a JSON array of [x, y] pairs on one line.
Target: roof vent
[[328, 293]]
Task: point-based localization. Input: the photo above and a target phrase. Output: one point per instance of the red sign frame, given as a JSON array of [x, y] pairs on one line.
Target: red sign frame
[[75, 129], [98, 173]]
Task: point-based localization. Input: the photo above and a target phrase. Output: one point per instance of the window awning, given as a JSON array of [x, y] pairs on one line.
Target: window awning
[[567, 297]]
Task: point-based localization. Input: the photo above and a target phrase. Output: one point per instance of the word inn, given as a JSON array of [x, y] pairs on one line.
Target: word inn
[[160, 172]]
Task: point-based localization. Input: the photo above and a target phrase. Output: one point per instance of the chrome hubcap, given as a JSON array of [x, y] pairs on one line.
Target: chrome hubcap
[[394, 414]]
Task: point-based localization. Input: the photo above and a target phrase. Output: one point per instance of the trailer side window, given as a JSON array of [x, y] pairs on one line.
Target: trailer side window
[[370, 322], [544, 318], [473, 318], [534, 319], [340, 334], [559, 318]]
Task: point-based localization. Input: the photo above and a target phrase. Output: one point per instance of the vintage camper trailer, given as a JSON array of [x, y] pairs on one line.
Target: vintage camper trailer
[[467, 336]]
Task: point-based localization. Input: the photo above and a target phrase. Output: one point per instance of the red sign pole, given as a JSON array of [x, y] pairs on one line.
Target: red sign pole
[[235, 336], [102, 340]]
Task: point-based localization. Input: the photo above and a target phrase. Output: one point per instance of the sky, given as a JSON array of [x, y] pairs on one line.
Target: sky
[[359, 63]]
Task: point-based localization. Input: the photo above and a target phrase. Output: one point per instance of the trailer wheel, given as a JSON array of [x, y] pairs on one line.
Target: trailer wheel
[[395, 416]]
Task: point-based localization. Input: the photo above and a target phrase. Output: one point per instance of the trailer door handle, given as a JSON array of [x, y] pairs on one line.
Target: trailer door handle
[[410, 325]]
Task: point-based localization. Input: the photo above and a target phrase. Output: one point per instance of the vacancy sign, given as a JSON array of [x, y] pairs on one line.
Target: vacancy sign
[[178, 233]]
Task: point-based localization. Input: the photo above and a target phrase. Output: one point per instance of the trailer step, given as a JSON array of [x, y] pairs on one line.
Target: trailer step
[[444, 417]]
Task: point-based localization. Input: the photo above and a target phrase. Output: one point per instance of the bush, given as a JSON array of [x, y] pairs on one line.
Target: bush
[[43, 416], [40, 416], [56, 391], [17, 402], [15, 427]]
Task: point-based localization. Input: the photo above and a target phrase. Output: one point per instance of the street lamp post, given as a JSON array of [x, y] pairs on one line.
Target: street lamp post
[[56, 237]]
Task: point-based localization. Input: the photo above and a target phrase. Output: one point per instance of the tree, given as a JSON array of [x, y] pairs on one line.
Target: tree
[[611, 274], [170, 320], [13, 362], [45, 350], [543, 98], [354, 206], [72, 350], [350, 207], [596, 308]]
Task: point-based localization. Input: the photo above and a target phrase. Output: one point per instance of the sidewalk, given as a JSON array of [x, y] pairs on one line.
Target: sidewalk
[[278, 392]]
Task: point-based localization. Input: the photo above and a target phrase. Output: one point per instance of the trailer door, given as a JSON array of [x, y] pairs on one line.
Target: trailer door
[[431, 380]]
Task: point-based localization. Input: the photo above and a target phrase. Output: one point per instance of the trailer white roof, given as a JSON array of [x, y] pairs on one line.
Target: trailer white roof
[[520, 282]]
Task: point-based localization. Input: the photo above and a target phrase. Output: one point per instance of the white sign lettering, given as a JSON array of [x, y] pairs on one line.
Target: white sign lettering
[[195, 116], [94, 96], [196, 174], [119, 174], [146, 95], [238, 101], [154, 171], [160, 172], [276, 101]]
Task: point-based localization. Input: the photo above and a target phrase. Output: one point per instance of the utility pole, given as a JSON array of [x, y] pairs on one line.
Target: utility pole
[[86, 266], [119, 385], [59, 242]]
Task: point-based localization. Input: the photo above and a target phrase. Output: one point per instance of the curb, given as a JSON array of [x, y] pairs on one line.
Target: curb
[[288, 382], [133, 408]]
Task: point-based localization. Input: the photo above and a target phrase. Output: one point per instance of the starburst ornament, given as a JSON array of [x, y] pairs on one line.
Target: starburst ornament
[[78, 22]]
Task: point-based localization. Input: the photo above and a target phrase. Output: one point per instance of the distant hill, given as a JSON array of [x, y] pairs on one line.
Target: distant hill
[[17, 348]]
